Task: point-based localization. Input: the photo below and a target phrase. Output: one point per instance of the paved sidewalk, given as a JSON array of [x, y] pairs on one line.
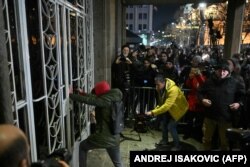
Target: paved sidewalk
[[100, 158]]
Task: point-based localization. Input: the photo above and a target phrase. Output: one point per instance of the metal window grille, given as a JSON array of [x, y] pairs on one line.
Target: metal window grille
[[50, 47]]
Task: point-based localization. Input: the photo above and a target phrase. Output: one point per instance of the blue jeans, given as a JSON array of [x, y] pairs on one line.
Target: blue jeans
[[85, 146], [170, 125]]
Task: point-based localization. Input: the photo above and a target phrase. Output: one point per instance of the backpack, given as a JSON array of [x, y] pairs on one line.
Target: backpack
[[117, 117]]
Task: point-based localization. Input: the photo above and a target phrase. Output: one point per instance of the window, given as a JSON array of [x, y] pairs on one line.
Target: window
[[131, 16], [144, 26], [140, 16], [139, 27], [131, 27], [145, 16]]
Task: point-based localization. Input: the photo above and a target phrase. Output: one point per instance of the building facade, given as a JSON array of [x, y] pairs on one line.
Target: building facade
[[139, 19]]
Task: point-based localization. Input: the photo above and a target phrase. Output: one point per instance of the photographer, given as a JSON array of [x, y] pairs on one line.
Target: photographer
[[194, 116], [123, 58], [172, 104], [14, 148], [121, 74]]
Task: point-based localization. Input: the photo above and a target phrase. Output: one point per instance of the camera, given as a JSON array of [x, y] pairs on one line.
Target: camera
[[143, 123], [123, 58], [52, 159], [126, 80]]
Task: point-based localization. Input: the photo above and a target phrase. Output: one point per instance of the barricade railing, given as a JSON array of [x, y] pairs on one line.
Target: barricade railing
[[142, 99]]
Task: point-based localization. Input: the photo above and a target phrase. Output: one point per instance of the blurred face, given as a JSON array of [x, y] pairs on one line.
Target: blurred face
[[164, 57], [169, 65], [125, 51], [248, 57], [134, 54], [146, 64], [195, 63], [221, 73], [159, 85], [151, 52]]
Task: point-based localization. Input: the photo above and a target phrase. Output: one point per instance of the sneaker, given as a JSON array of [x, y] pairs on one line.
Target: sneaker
[[163, 143], [175, 148], [185, 137]]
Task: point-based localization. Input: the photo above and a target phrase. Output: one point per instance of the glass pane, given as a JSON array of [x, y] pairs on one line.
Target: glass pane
[[13, 49], [36, 62]]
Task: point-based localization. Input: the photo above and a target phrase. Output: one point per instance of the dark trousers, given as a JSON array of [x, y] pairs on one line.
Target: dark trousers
[[85, 146], [194, 122]]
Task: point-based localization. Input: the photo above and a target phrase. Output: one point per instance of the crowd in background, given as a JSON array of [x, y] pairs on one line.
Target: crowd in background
[[189, 68]]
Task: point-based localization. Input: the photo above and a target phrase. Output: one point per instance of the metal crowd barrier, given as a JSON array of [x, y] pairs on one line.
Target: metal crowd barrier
[[142, 99]]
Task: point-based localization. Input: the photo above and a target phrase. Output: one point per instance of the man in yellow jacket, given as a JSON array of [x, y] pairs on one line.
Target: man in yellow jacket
[[172, 105]]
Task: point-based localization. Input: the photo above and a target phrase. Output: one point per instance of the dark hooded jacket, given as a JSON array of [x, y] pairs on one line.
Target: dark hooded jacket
[[103, 136], [222, 93]]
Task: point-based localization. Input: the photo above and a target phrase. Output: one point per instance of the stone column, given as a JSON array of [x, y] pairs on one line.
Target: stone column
[[234, 22], [120, 25], [5, 92], [104, 31]]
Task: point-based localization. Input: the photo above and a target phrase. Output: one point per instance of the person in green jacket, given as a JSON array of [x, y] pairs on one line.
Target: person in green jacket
[[172, 104], [103, 137]]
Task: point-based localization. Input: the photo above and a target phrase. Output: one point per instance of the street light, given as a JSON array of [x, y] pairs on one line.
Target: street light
[[202, 5]]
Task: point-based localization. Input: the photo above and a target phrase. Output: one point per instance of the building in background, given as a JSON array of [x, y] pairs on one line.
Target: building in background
[[139, 20]]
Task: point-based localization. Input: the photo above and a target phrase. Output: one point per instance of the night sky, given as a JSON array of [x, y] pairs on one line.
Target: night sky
[[163, 15]]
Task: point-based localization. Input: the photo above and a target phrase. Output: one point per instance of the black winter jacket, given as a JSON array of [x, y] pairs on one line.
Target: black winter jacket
[[222, 93]]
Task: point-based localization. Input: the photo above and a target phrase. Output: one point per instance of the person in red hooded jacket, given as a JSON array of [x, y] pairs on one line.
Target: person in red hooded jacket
[[194, 116], [101, 97]]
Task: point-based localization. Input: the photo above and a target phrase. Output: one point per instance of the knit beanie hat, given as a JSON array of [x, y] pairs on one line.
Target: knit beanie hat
[[223, 64], [101, 88]]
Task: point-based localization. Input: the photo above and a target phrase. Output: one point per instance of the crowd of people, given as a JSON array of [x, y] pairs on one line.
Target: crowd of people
[[210, 91], [216, 88]]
